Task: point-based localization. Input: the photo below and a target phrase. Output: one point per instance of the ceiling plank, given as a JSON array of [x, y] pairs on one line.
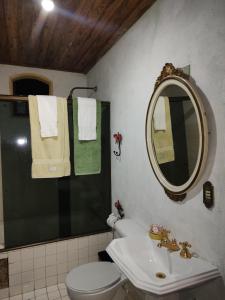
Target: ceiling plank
[[3, 34], [103, 28], [100, 49], [84, 22], [71, 38], [12, 29]]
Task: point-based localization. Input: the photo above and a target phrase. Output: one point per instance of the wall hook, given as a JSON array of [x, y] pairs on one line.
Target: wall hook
[[118, 138]]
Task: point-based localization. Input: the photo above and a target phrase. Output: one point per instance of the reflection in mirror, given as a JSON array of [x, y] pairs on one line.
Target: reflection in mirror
[[175, 135]]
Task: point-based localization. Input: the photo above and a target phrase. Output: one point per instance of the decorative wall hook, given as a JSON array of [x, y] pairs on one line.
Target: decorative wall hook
[[119, 208], [118, 138]]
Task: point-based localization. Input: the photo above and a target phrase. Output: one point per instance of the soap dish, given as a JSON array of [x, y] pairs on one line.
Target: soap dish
[[155, 232], [155, 236]]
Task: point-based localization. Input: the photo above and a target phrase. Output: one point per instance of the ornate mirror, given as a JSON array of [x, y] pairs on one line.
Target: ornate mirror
[[176, 133]]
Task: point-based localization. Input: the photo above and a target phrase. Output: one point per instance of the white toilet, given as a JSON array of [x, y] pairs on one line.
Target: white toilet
[[100, 280]]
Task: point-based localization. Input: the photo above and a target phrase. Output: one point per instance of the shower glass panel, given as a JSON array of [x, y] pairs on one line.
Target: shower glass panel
[[2, 239], [39, 210], [92, 193]]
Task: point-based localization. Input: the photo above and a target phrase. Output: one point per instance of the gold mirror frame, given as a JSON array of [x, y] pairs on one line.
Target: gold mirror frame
[[171, 75]]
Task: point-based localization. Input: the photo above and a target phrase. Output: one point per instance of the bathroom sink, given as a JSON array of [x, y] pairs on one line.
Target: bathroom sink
[[154, 269]]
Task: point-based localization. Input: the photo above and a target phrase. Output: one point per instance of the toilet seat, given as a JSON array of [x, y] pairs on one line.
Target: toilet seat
[[93, 277]]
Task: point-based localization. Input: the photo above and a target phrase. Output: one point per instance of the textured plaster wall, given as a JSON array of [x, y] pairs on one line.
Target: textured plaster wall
[[62, 81], [182, 32]]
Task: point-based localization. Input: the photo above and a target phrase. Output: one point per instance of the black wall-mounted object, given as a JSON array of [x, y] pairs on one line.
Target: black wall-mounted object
[[118, 139], [208, 194], [104, 256]]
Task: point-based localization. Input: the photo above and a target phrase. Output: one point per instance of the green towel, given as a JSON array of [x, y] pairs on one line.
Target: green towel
[[87, 154]]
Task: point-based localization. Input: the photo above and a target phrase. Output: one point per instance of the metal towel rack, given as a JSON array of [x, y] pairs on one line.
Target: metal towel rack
[[25, 98], [70, 97]]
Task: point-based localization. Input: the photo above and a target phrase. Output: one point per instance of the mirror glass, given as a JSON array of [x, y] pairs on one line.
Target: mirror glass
[[175, 134]]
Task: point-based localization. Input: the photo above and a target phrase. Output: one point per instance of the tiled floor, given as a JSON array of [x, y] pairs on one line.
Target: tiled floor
[[55, 292]]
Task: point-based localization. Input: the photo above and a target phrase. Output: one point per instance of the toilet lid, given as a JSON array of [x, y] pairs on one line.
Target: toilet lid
[[93, 276]]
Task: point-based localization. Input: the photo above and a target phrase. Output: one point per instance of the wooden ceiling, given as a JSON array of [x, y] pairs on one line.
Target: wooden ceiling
[[73, 37]]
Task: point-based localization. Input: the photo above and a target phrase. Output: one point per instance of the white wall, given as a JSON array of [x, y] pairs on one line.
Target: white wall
[[63, 82], [182, 32]]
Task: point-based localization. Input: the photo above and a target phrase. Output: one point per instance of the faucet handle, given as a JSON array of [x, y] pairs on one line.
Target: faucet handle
[[185, 245], [163, 237], [165, 233], [173, 246], [185, 253]]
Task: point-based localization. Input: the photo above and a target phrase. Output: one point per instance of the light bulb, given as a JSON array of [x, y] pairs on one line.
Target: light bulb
[[21, 141], [48, 5]]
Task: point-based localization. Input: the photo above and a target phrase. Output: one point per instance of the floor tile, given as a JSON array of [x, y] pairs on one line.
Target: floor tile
[[28, 296], [42, 297], [40, 284], [15, 290], [4, 293], [17, 297], [52, 288], [54, 295], [62, 286], [54, 292], [63, 292], [40, 292]]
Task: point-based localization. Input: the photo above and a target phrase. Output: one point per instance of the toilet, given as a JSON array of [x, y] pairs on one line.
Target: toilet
[[100, 280]]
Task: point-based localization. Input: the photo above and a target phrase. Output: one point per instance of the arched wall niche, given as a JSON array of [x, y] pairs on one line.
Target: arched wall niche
[[30, 76]]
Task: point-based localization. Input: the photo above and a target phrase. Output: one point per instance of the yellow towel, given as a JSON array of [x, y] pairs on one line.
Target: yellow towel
[[163, 139], [51, 156]]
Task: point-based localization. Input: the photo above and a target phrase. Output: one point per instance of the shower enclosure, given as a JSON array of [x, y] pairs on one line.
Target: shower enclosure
[[40, 210]]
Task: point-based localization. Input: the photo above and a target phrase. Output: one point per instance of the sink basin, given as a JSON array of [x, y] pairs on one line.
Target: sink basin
[[154, 269]]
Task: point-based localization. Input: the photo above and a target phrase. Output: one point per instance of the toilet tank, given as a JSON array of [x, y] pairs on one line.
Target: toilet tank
[[128, 227]]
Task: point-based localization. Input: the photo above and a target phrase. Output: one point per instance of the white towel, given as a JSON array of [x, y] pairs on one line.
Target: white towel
[[86, 119], [112, 219], [47, 112], [160, 114]]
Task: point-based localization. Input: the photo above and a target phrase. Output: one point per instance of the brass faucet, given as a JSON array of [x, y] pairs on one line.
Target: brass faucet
[[171, 245], [185, 253]]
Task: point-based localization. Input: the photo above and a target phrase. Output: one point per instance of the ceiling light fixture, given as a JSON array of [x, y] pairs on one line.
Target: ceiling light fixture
[[48, 5]]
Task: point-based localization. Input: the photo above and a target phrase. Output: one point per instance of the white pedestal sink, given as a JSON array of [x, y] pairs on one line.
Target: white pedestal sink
[[140, 260]]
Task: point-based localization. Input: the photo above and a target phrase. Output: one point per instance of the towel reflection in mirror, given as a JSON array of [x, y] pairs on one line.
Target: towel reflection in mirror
[[162, 132]]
